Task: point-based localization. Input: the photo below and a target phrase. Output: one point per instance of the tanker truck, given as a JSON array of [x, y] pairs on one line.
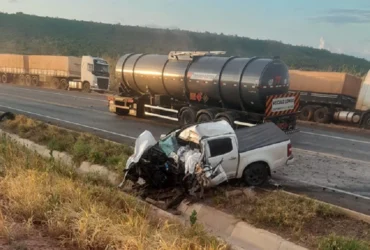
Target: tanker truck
[[332, 97], [200, 86], [61, 72]]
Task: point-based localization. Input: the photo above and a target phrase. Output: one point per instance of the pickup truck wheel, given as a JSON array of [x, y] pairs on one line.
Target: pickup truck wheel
[[306, 113], [321, 115], [255, 174], [366, 122], [187, 116]]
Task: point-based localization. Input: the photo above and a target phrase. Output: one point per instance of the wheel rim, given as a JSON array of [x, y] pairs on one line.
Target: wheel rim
[[4, 79], [255, 176], [321, 115], [28, 80]]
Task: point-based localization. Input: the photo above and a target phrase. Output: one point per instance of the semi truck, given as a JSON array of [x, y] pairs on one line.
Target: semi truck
[[327, 97], [84, 73], [200, 86]]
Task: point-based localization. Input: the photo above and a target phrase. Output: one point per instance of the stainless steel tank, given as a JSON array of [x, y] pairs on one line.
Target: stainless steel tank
[[231, 82]]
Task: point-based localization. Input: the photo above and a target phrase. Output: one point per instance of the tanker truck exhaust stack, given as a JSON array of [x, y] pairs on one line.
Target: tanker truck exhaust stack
[[200, 86]]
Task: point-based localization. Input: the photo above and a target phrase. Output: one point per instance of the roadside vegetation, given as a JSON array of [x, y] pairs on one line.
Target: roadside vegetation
[[23, 34], [82, 146], [43, 197], [296, 218]]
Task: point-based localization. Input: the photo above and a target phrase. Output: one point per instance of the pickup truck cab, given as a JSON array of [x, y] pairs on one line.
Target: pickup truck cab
[[214, 150]]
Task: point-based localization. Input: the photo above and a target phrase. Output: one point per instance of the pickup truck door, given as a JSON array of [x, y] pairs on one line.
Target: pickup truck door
[[225, 149]]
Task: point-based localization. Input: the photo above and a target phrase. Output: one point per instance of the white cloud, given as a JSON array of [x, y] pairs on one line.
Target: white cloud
[[322, 43]]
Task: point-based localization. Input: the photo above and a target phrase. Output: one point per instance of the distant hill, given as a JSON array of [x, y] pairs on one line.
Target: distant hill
[[21, 33]]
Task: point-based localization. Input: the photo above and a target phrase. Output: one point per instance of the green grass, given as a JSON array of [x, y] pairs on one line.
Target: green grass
[[80, 213], [83, 147], [334, 242], [297, 218]]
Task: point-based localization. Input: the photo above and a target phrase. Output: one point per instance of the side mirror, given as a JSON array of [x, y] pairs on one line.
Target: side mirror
[[162, 136]]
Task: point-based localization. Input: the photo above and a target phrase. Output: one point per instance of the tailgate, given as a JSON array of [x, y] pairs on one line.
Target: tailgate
[[283, 104]]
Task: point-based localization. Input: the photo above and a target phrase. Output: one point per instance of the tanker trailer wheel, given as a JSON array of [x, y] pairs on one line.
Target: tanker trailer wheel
[[321, 115], [366, 121], [28, 80], [228, 117], [86, 87], [306, 113], [4, 78], [35, 81], [206, 115], [64, 84], [187, 116]]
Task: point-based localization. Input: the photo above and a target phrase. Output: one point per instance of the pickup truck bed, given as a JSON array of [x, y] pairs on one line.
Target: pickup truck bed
[[259, 136]]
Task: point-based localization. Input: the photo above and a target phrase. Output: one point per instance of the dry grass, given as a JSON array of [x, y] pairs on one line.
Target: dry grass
[[299, 219], [82, 215], [83, 147]]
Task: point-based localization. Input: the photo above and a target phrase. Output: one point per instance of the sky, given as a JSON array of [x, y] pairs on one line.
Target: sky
[[340, 26]]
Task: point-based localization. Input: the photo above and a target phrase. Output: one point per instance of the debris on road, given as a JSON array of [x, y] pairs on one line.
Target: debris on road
[[6, 115]]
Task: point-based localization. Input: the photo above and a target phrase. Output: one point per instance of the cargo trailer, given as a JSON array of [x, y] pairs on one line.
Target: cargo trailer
[[61, 72], [201, 86], [332, 97]]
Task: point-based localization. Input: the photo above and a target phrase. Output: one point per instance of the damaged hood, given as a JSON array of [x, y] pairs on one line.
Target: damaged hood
[[142, 143]]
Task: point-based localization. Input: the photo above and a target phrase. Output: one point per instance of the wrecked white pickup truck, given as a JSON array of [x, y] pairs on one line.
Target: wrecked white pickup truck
[[207, 154]]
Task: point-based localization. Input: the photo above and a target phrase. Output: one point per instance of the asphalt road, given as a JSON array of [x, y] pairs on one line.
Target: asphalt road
[[89, 112]]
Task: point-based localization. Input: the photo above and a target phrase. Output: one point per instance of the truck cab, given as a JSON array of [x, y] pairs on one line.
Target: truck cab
[[363, 102], [94, 75]]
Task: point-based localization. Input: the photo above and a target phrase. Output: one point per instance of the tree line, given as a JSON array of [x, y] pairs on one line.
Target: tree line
[[28, 34]]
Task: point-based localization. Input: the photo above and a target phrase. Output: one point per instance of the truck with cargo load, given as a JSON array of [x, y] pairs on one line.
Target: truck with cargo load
[[332, 97], [202, 86], [61, 72]]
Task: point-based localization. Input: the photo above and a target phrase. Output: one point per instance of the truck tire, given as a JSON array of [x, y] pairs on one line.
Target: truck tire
[[86, 87], [228, 117], [28, 80], [256, 174], [306, 113], [55, 83], [206, 115], [35, 81], [64, 84], [187, 116], [4, 78], [22, 80], [366, 121], [321, 115]]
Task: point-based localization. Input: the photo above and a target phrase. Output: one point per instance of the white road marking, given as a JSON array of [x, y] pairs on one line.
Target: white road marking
[[60, 94], [336, 190], [335, 137], [69, 122]]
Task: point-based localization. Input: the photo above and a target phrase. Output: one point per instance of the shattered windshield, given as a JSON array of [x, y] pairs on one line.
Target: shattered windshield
[[169, 144]]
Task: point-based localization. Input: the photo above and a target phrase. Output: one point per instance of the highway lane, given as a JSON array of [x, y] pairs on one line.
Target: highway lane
[[348, 144], [89, 112]]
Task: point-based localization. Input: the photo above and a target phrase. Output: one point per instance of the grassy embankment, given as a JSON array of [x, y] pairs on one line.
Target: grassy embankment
[[44, 204], [299, 219]]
